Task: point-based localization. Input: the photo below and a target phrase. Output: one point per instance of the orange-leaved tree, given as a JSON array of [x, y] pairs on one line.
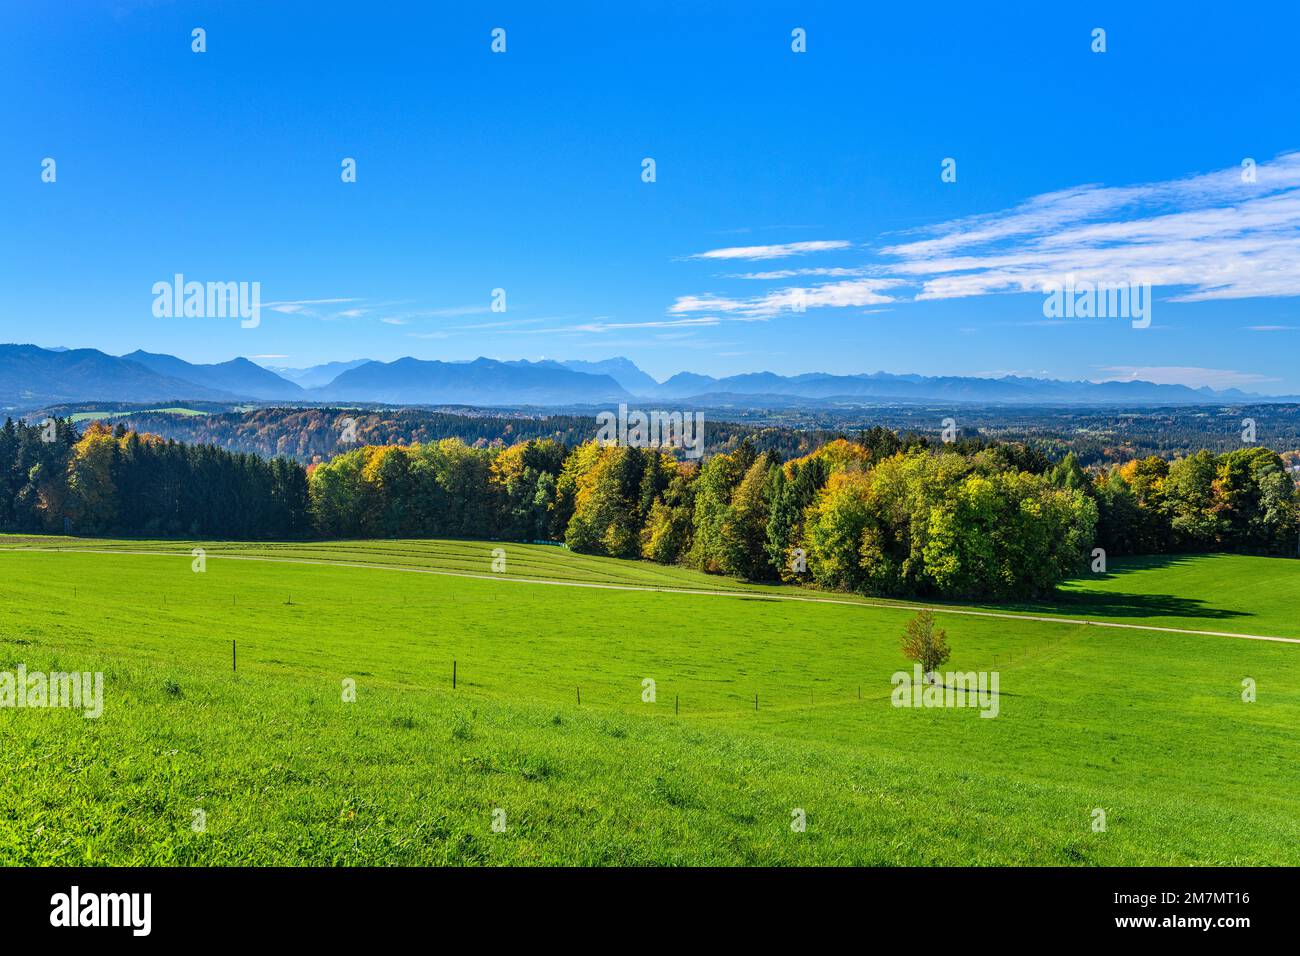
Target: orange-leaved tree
[[925, 643]]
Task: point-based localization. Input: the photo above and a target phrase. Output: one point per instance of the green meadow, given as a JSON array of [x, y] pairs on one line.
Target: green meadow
[[770, 705], [100, 415]]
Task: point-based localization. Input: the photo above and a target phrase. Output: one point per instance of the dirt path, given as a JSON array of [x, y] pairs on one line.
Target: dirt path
[[751, 595]]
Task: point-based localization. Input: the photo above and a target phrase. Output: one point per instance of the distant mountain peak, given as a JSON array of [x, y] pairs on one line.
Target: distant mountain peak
[[238, 376], [484, 381], [620, 369], [315, 376], [31, 376]]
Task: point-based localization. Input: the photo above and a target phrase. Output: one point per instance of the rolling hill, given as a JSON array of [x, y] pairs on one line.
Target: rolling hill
[[760, 707], [31, 376]]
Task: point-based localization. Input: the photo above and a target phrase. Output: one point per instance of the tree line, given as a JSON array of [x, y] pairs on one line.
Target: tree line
[[881, 514], [112, 481]]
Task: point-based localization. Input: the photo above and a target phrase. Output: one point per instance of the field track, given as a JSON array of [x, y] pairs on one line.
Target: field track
[[747, 595]]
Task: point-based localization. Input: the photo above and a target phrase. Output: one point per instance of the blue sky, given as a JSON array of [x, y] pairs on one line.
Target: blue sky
[[776, 172]]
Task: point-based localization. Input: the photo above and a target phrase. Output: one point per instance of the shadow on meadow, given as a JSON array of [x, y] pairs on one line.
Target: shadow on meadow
[[1128, 604]]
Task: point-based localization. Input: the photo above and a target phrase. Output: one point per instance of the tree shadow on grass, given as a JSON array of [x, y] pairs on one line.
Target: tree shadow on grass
[[1119, 567], [1123, 604]]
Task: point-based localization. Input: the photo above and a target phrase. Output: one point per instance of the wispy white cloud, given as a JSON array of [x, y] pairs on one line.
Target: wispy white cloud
[[458, 311], [498, 326], [302, 306], [778, 251], [1210, 236], [856, 292], [792, 273], [603, 326], [1216, 235]]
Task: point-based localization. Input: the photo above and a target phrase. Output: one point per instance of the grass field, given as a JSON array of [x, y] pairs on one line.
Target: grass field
[[1148, 725], [79, 417]]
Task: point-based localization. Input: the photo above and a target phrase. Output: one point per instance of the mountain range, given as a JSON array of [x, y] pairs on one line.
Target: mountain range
[[32, 377]]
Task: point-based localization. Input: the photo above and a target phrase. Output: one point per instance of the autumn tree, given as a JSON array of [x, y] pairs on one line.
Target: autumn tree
[[92, 493], [666, 536], [793, 488], [1069, 474], [925, 643], [717, 482], [743, 535], [606, 517], [834, 530]]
